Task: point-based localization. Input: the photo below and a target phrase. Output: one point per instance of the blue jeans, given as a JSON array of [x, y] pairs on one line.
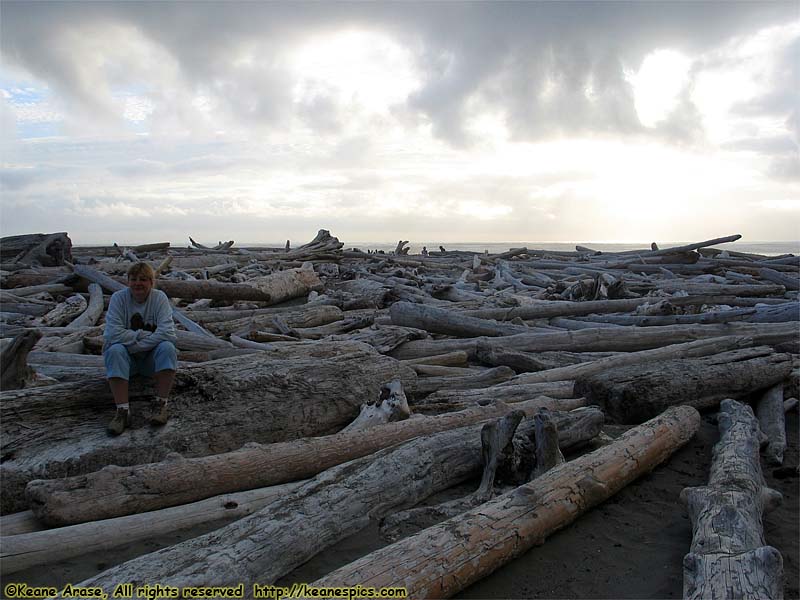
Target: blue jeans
[[121, 363]]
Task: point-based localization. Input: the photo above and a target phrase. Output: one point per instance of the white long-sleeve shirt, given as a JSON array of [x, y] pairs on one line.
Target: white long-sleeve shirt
[[155, 311]]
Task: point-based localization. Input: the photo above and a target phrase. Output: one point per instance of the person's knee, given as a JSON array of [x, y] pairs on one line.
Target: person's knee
[[166, 356], [117, 361]]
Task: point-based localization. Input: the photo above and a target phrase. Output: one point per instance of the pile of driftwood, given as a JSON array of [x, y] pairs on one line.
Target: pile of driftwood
[[320, 388]]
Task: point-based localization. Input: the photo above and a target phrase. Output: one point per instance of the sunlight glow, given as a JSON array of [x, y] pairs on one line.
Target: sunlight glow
[[658, 83]]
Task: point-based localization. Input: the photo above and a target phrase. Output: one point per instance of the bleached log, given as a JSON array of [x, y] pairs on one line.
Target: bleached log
[[391, 405], [546, 310], [718, 289], [14, 369], [770, 413], [780, 313], [64, 312], [634, 394], [446, 558], [330, 507], [47, 249], [438, 320], [481, 379], [115, 491], [215, 407], [301, 317], [452, 359], [384, 338], [729, 557], [93, 311], [626, 339], [288, 284], [28, 549], [790, 282], [696, 349]]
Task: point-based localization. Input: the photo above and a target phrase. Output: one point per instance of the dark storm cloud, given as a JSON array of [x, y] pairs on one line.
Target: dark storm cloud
[[553, 67]]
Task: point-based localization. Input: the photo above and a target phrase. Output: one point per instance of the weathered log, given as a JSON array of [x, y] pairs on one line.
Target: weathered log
[[64, 312], [697, 349], [780, 313], [288, 284], [438, 320], [391, 405], [114, 491], [328, 508], [216, 407], [790, 282], [526, 362], [14, 370], [729, 557], [40, 547], [626, 339], [634, 394], [452, 359], [441, 560], [302, 317], [770, 413], [504, 393], [480, 379], [46, 249], [93, 312], [545, 310], [718, 289]]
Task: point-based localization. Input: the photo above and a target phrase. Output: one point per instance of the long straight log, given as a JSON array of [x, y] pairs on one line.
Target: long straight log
[[779, 313], [333, 505], [729, 557], [48, 546], [718, 289], [439, 320], [696, 349], [114, 491], [444, 559], [628, 339], [634, 394]]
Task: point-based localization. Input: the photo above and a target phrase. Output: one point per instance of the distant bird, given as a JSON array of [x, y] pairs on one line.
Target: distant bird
[[441, 249]]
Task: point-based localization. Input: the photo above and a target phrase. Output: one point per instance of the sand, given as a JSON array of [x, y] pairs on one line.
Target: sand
[[631, 546]]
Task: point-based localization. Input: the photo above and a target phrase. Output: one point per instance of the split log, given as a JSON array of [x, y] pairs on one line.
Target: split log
[[444, 559], [770, 413], [729, 557], [31, 549], [626, 339], [634, 394], [328, 508], [93, 312], [114, 491], [288, 284], [15, 372], [64, 312], [438, 320], [46, 249], [216, 407]]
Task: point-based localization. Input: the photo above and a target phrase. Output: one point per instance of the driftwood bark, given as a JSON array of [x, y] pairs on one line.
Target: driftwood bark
[[391, 405], [771, 417], [46, 249], [729, 557], [216, 407], [446, 558], [14, 370], [634, 394], [333, 505], [41, 547], [115, 491]]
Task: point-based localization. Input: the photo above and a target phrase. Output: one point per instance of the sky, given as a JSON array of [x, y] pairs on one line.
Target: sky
[[137, 122]]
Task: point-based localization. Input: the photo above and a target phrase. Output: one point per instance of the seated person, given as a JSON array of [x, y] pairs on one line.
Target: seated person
[[139, 338]]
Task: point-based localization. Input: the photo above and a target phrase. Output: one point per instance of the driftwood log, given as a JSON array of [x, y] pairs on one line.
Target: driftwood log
[[115, 491], [729, 557], [14, 370], [335, 504], [46, 249], [216, 407], [635, 394], [446, 558], [771, 418]]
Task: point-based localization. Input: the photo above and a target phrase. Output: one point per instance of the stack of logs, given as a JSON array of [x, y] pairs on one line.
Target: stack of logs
[[311, 380]]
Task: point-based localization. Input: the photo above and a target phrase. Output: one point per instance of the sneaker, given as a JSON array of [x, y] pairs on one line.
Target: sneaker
[[120, 421], [158, 411]]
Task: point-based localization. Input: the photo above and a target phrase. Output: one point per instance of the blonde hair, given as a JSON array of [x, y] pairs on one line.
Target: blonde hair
[[142, 269]]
